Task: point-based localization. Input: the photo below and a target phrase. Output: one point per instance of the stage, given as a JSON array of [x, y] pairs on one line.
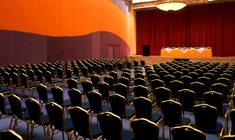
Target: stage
[[153, 59]]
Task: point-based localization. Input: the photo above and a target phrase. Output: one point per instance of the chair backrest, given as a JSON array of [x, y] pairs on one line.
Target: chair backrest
[[162, 94], [206, 81], [139, 81], [10, 135], [111, 125], [95, 79], [68, 73], [167, 79], [153, 76], [95, 101], [80, 119], [55, 113], [143, 107], [194, 75], [198, 88], [114, 75], [121, 89], [223, 80], [24, 80], [104, 89], [172, 112], [75, 96], [58, 95], [140, 90], [86, 86], [221, 88], [205, 118], [34, 110], [72, 83], [187, 98], [215, 99], [186, 80], [15, 79], [176, 85], [118, 104], [48, 76], [124, 81], [144, 129], [42, 93], [15, 103], [110, 80], [156, 83], [187, 132]]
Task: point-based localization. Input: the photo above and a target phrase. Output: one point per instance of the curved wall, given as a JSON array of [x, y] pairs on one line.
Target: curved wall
[[48, 30]]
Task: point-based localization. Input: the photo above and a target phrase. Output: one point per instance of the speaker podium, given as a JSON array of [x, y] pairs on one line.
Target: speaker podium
[[146, 50]]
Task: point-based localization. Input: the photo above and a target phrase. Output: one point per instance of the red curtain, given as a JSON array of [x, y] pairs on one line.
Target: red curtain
[[211, 25]]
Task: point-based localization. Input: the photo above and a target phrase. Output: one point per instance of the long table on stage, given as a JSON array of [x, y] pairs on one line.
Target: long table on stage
[[187, 52]]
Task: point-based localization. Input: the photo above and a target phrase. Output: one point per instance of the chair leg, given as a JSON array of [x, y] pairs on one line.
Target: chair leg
[[12, 118], [31, 132], [52, 134]]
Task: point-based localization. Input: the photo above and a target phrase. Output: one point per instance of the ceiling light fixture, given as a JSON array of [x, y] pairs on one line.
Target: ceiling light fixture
[[171, 6]]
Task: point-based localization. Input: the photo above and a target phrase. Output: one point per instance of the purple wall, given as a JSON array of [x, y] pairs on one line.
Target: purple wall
[[20, 48]]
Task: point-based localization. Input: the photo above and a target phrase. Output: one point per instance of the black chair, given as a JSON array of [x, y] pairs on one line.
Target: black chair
[[139, 81], [104, 90], [161, 94], [223, 89], [72, 83], [10, 135], [111, 127], [36, 118], [118, 106], [206, 81], [172, 115], [86, 87], [199, 89], [186, 80], [187, 98], [140, 90], [122, 89], [114, 74], [144, 109], [145, 129], [206, 119], [81, 124], [58, 96], [156, 83], [194, 75], [75, 97], [126, 82], [95, 101], [110, 80], [49, 81], [19, 114], [4, 112], [167, 79], [27, 85], [58, 121], [43, 94], [95, 79], [175, 86], [187, 133], [216, 99]]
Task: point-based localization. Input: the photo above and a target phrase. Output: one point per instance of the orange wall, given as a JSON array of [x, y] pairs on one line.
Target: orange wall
[[66, 18]]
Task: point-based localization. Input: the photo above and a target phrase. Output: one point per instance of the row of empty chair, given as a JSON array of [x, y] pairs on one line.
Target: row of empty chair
[[129, 84]]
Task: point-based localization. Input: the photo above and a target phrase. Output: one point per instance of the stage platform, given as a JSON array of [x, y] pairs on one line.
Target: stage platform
[[150, 60]]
